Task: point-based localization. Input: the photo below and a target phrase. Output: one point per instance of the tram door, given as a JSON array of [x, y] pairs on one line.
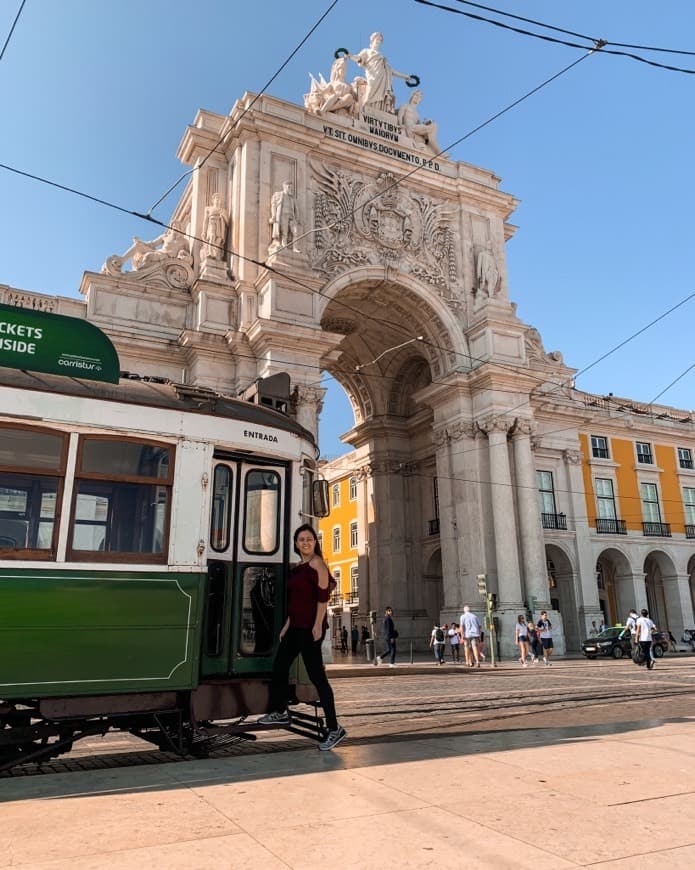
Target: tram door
[[246, 569]]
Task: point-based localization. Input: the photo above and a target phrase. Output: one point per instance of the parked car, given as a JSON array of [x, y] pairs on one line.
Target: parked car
[[616, 642]]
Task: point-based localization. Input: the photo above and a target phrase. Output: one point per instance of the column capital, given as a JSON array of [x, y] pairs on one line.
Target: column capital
[[489, 425], [572, 457], [523, 427], [307, 395]]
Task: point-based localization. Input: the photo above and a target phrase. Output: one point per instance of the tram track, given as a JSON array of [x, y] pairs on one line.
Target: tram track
[[370, 720]]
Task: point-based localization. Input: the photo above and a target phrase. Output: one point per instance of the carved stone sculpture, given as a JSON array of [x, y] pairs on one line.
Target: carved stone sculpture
[[487, 275], [423, 134], [284, 219], [535, 350], [165, 260], [214, 230], [379, 73]]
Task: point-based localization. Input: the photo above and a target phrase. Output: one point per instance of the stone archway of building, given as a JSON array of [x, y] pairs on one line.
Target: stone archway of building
[[433, 586], [561, 583], [615, 593], [657, 566]]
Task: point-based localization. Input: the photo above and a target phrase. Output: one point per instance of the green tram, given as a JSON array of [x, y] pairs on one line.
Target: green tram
[[145, 530]]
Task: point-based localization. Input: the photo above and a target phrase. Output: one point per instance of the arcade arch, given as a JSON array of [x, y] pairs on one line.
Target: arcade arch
[[658, 566], [561, 591], [615, 588]]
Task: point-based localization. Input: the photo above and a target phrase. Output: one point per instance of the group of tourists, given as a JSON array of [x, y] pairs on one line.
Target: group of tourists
[[468, 633], [535, 641]]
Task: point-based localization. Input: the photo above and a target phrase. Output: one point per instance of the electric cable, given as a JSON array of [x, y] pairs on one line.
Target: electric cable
[[598, 45], [14, 24], [248, 108]]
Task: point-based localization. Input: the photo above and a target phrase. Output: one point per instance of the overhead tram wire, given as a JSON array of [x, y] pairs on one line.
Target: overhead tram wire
[[537, 23], [248, 108], [600, 43], [14, 24]]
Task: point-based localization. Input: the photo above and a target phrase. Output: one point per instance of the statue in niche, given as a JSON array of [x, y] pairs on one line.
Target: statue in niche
[[487, 275], [214, 230], [284, 219], [379, 74], [423, 133]]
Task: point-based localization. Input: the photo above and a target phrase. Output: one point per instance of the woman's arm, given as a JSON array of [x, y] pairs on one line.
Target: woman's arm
[[322, 604], [284, 628]]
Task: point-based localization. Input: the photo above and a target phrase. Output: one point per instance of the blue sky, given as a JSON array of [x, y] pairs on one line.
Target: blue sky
[[96, 95]]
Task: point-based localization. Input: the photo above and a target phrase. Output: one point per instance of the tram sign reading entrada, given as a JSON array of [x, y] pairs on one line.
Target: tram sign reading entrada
[[55, 344]]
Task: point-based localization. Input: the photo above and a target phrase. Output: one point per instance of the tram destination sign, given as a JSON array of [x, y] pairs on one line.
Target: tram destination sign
[[53, 343]]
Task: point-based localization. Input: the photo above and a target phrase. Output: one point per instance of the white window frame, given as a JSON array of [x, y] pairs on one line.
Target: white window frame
[[603, 499], [336, 537], [544, 492], [685, 455], [335, 495], [354, 535], [354, 579], [689, 505], [353, 489], [644, 457], [596, 447], [654, 489]]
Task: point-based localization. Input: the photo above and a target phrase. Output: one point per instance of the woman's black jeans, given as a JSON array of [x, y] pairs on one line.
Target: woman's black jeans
[[296, 641]]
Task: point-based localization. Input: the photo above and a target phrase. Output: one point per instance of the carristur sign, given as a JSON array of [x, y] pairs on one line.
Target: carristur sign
[[53, 343]]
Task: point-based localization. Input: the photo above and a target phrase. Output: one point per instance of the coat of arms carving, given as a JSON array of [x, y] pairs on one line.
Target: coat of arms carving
[[359, 221]]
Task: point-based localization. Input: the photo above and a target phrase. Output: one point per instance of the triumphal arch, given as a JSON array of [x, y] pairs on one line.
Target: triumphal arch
[[336, 236]]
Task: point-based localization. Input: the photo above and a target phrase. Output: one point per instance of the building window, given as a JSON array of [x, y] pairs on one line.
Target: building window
[[435, 497], [685, 457], [599, 447], [605, 499], [546, 491], [644, 453], [336, 539], [650, 503], [353, 489], [689, 504], [353, 535], [354, 579], [336, 495], [336, 577]]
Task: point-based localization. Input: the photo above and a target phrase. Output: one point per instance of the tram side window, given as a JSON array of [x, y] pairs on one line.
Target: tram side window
[[122, 500], [32, 467], [262, 512]]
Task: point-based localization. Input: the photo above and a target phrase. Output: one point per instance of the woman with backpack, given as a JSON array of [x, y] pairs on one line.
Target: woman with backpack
[[534, 643], [521, 638]]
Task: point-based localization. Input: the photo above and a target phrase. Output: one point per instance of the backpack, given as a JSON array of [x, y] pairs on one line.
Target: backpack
[[638, 656], [439, 635]]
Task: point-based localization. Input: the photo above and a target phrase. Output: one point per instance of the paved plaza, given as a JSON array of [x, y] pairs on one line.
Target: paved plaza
[[605, 781]]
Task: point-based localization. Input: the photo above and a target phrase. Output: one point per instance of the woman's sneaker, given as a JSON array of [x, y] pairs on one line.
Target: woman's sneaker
[[333, 739], [274, 719]]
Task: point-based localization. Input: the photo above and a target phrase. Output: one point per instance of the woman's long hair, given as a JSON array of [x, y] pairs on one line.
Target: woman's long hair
[[307, 528]]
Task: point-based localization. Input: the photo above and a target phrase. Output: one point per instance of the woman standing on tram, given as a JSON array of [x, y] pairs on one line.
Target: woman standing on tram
[[303, 631]]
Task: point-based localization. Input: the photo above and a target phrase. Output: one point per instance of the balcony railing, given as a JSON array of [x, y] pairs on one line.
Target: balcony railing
[[610, 527], [689, 531], [657, 530], [352, 597], [434, 526], [554, 521], [685, 463]]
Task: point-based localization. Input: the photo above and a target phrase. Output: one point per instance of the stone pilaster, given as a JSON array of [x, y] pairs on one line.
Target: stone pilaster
[[530, 526], [307, 402]]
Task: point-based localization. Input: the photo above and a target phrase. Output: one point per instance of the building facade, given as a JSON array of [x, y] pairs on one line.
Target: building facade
[[335, 237]]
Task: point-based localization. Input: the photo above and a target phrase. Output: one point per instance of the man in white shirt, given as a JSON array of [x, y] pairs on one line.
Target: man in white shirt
[[643, 632], [437, 640], [545, 633], [470, 631]]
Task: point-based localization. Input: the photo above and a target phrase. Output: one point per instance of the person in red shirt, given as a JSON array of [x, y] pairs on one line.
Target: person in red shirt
[[303, 631]]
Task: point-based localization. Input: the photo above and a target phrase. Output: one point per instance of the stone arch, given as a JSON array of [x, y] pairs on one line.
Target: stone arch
[[433, 585], [658, 566], [562, 585], [614, 580], [412, 375]]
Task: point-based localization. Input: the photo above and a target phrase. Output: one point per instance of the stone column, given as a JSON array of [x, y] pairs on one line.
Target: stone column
[[530, 525], [365, 523], [503, 513], [679, 605], [307, 404]]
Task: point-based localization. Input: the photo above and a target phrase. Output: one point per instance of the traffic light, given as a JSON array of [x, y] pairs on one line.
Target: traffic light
[[482, 584], [492, 599]]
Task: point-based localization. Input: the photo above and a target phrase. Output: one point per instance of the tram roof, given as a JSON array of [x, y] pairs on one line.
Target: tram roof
[[155, 393]]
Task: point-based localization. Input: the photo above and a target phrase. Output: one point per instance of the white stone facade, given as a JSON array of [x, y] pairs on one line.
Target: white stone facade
[[334, 237]]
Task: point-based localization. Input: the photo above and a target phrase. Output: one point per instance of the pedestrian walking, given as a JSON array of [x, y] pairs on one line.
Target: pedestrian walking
[[303, 633], [354, 639], [437, 641], [365, 637], [545, 632], [454, 642], [534, 643], [390, 637], [643, 633], [470, 629], [343, 640], [521, 638]]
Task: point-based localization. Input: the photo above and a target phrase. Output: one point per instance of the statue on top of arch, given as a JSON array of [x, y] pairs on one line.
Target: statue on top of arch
[[372, 94]]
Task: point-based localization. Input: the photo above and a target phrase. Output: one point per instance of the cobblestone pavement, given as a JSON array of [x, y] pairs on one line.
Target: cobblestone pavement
[[414, 701]]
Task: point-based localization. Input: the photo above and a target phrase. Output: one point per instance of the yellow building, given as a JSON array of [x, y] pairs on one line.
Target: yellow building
[[339, 538]]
